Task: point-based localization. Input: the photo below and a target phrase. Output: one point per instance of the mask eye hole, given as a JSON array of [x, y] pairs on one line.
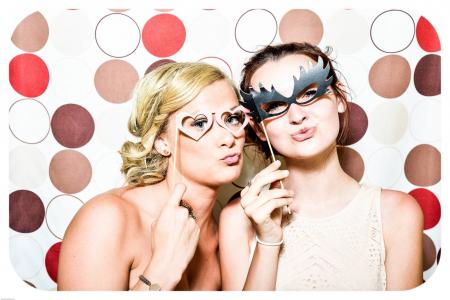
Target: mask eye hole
[[274, 107]]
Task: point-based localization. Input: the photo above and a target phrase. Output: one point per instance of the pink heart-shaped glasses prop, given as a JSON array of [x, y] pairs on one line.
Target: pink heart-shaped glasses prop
[[183, 119]]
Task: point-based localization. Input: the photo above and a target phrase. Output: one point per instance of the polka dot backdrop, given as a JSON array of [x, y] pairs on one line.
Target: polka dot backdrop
[[70, 90]]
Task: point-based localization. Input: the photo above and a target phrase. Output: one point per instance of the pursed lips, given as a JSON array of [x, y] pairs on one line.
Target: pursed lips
[[232, 158], [303, 134]]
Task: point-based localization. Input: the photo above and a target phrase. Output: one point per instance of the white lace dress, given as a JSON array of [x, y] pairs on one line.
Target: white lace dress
[[342, 252]]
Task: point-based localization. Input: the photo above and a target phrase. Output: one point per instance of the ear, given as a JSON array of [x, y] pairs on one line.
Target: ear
[[257, 129], [162, 146]]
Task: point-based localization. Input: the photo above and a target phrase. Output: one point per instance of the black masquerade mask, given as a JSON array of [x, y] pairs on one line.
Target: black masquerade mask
[[266, 104]]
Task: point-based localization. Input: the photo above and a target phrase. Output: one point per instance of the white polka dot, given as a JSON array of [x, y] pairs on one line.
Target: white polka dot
[[255, 29], [29, 121], [117, 35], [219, 63], [60, 212], [388, 122], [28, 167], [72, 32], [26, 255], [347, 31], [112, 127], [210, 32], [106, 173], [72, 79], [392, 31], [385, 167], [353, 73], [426, 121]]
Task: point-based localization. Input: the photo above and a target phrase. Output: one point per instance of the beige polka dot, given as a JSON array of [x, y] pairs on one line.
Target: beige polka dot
[[115, 80]]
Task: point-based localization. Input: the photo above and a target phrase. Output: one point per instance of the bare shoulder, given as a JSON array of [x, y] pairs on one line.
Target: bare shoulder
[[105, 215], [401, 214], [232, 217]]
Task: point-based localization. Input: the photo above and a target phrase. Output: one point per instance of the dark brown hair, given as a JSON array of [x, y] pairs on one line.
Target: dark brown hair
[[275, 53]]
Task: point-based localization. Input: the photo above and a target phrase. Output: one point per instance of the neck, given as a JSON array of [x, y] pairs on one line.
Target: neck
[[318, 182], [201, 198]]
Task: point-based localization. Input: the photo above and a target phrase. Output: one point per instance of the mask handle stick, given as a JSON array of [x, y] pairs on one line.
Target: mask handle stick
[[273, 157], [175, 155]]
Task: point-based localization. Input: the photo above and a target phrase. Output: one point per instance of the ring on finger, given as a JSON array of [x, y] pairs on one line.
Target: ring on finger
[[189, 208]]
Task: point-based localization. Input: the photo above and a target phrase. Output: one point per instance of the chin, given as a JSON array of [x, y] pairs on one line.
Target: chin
[[230, 174], [219, 176]]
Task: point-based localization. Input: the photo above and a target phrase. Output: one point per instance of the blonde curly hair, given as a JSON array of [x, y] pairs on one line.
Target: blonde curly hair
[[157, 95]]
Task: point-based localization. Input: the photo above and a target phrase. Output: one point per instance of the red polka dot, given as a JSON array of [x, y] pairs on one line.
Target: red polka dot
[[430, 205], [28, 75], [51, 261], [427, 36], [163, 35]]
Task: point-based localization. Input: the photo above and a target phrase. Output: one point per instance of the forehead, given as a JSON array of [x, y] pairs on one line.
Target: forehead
[[280, 73], [218, 95]]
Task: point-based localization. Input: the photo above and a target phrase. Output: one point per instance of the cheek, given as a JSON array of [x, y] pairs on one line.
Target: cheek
[[327, 118], [189, 148]]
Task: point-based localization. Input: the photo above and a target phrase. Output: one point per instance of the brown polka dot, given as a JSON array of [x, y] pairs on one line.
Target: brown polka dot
[[70, 171], [427, 75], [429, 252], [301, 25], [26, 211], [32, 33], [72, 125], [357, 125], [115, 80], [351, 161], [118, 10], [389, 76], [423, 165], [157, 64]]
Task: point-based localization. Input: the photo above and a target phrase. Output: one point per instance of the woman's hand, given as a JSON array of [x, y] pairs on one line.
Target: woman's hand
[[175, 237], [264, 207]]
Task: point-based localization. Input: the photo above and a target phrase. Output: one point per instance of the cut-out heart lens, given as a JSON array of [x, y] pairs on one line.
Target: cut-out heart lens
[[195, 126]]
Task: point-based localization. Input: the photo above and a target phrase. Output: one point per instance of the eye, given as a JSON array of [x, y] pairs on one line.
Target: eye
[[234, 119], [274, 107], [308, 95], [200, 123]]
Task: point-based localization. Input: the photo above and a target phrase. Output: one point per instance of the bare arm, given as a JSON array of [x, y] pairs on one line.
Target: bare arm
[[258, 212], [92, 254], [402, 230], [234, 239]]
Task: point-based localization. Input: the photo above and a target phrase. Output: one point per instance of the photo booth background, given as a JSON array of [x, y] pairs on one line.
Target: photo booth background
[[70, 98]]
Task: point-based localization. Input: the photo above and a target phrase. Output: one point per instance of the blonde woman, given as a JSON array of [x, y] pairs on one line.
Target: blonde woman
[[157, 233]]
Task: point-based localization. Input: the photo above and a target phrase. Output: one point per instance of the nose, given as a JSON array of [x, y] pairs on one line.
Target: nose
[[297, 114], [225, 138]]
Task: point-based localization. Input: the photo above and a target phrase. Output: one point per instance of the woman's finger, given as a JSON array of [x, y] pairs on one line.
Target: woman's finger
[[262, 180]]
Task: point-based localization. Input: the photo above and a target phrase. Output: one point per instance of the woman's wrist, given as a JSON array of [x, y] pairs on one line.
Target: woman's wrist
[[166, 279], [267, 243], [269, 238]]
